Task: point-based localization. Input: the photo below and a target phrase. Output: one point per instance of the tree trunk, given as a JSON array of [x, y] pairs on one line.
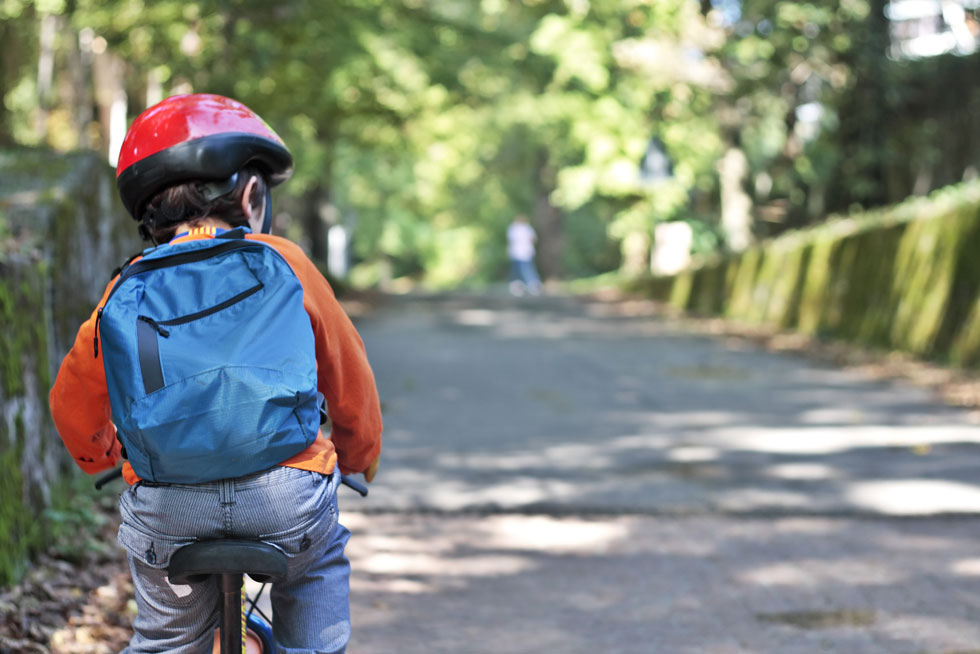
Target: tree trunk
[[8, 73], [80, 66], [109, 72], [316, 204], [864, 115], [550, 226], [45, 73]]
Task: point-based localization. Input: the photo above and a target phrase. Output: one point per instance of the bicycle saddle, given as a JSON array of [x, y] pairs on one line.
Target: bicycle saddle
[[260, 561]]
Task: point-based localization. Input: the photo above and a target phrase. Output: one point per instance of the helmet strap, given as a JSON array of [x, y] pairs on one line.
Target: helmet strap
[[146, 235], [267, 219], [214, 190]]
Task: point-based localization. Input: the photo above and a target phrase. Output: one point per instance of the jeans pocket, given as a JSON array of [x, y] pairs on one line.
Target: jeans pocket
[[309, 535], [148, 547]]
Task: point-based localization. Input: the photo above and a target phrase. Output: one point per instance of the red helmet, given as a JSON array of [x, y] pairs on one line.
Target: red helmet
[[195, 137]]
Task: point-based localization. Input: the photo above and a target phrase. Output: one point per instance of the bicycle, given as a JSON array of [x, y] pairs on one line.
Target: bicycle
[[241, 622]]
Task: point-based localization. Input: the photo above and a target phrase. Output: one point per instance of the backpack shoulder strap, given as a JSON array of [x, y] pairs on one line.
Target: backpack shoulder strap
[[123, 265]]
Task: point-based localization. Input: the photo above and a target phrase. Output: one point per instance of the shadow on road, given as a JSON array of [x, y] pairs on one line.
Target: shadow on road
[[634, 584], [494, 404]]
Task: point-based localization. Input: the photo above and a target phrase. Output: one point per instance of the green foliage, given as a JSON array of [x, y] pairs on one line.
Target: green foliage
[[60, 233], [19, 532], [73, 523], [427, 125]]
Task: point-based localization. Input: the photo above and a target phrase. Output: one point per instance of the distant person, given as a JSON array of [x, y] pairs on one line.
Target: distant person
[[520, 248]]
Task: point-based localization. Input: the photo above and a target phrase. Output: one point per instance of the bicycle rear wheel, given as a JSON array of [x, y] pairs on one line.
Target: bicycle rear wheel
[[258, 638], [259, 631]]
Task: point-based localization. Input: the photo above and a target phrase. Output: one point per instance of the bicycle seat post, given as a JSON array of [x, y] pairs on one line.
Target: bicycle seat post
[[228, 560], [230, 587]]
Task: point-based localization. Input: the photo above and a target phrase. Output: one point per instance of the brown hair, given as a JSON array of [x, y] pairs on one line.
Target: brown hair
[[189, 202]]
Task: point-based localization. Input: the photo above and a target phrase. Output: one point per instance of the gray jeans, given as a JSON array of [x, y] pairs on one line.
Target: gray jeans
[[293, 509]]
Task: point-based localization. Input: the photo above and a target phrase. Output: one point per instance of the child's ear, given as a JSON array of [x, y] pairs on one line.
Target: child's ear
[[250, 198]]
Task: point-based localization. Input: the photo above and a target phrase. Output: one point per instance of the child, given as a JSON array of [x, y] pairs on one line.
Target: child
[[218, 447]]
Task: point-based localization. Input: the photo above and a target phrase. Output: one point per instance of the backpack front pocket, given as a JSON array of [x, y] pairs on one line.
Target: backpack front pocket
[[185, 440], [148, 331]]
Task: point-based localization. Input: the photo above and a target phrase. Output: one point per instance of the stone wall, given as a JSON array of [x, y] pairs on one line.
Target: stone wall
[[62, 232], [902, 278]]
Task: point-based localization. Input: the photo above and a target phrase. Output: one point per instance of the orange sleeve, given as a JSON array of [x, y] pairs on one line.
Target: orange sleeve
[[79, 402], [343, 373]]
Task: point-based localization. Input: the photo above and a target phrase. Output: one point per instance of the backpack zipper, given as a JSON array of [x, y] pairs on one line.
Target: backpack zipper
[[144, 265], [98, 319], [204, 312], [153, 323]]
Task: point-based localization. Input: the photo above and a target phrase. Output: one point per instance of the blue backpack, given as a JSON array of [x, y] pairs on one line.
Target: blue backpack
[[210, 361]]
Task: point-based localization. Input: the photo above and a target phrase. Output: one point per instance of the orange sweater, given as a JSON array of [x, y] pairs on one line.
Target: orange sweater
[[79, 398]]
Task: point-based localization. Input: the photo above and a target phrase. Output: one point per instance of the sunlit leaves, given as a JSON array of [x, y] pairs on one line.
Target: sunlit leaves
[[417, 119], [10, 9], [578, 52]]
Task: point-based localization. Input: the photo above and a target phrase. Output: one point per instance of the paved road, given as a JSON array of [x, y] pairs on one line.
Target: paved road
[[559, 477]]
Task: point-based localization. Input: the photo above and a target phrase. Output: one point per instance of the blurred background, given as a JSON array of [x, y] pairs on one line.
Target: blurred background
[[804, 167], [420, 128]]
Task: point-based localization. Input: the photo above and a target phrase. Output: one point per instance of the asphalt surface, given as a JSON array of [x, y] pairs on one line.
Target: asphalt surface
[[560, 477]]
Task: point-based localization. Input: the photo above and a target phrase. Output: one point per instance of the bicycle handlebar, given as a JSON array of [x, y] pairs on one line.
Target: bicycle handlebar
[[356, 485], [107, 477], [116, 473]]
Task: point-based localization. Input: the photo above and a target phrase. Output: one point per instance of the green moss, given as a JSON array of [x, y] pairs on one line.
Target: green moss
[[657, 288], [965, 285], [794, 295], [25, 333], [20, 532], [680, 292], [743, 284], [758, 294], [923, 282], [777, 284], [708, 293], [12, 382], [815, 285], [871, 305], [965, 350], [843, 261]]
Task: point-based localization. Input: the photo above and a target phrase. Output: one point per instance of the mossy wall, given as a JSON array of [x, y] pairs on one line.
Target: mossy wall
[[904, 278], [62, 232]]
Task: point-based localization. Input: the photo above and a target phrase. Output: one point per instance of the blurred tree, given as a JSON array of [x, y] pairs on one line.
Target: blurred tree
[[792, 64], [423, 127], [18, 36]]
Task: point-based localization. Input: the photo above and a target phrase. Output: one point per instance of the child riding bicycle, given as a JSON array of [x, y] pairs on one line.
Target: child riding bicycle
[[210, 363]]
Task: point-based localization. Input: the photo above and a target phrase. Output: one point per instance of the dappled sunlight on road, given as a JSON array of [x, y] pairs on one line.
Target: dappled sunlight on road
[[556, 474], [497, 546], [966, 567], [914, 496], [552, 535], [829, 440], [443, 582], [801, 471], [812, 573], [696, 463]]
